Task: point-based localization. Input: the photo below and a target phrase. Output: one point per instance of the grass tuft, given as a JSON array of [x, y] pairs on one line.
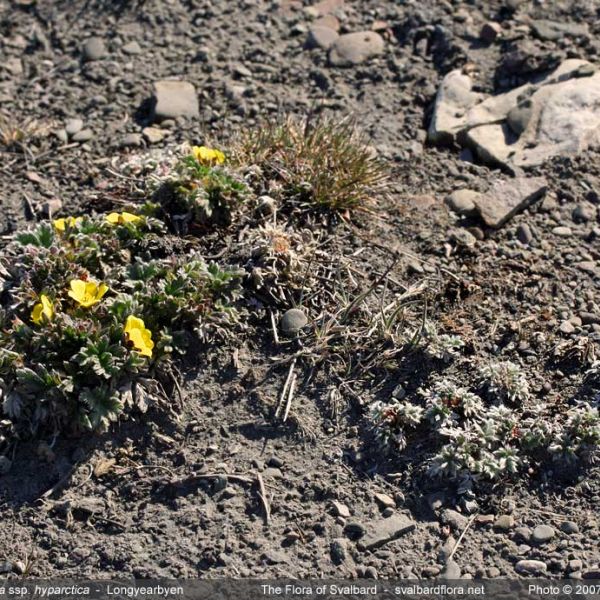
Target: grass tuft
[[318, 164]]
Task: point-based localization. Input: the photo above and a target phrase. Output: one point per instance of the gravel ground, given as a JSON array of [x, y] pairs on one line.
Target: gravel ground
[[156, 497]]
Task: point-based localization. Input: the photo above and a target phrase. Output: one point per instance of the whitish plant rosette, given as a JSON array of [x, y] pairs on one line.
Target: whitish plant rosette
[[480, 441], [91, 315], [505, 381], [441, 346]]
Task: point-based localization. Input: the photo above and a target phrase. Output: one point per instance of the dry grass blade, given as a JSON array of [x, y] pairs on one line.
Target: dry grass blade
[[318, 163]]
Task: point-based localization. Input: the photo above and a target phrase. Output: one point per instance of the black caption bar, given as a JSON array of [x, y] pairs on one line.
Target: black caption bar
[[227, 589]]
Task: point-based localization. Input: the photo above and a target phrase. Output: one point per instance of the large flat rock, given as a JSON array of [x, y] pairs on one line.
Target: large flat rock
[[173, 98], [507, 197], [386, 530], [558, 115]]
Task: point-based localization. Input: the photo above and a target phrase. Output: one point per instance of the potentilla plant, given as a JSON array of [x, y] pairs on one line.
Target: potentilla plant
[[90, 317], [480, 440], [201, 190]]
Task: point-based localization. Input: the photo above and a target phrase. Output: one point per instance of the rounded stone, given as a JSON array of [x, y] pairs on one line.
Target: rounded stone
[[542, 534], [293, 321], [94, 49]]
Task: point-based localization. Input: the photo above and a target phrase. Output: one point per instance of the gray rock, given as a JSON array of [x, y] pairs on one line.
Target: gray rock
[[557, 30], [386, 530], [575, 564], [562, 231], [504, 523], [370, 573], [324, 7], [321, 37], [453, 518], [490, 31], [355, 529], [132, 140], [524, 234], [531, 567], [73, 126], [355, 48], [462, 202], [522, 534], [569, 527], [589, 318], [385, 501], [293, 321], [558, 115], [5, 566], [451, 571], [85, 135], [153, 135], [174, 99], [508, 197], [94, 49], [454, 98], [132, 48], [542, 534], [566, 327], [463, 237], [588, 266], [340, 510], [584, 212]]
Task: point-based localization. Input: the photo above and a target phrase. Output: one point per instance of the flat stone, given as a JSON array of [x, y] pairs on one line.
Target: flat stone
[[453, 518], [85, 135], [566, 327], [559, 115], [385, 501], [454, 98], [175, 99], [132, 48], [504, 523], [589, 318], [340, 510], [324, 7], [94, 49], [132, 140], [153, 135], [588, 266], [330, 21], [508, 197], [562, 231], [553, 31], [355, 48], [542, 534], [451, 571], [293, 321], [73, 126], [569, 527], [321, 37], [531, 567], [462, 202], [386, 530]]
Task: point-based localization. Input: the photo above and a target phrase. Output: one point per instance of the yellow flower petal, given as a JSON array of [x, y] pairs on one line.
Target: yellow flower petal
[[42, 310], [208, 156], [62, 224], [139, 336], [86, 293], [122, 218]]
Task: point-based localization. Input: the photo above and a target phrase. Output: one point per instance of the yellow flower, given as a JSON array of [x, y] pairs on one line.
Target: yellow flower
[[122, 218], [208, 156], [62, 224], [139, 336], [42, 310], [87, 293]]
